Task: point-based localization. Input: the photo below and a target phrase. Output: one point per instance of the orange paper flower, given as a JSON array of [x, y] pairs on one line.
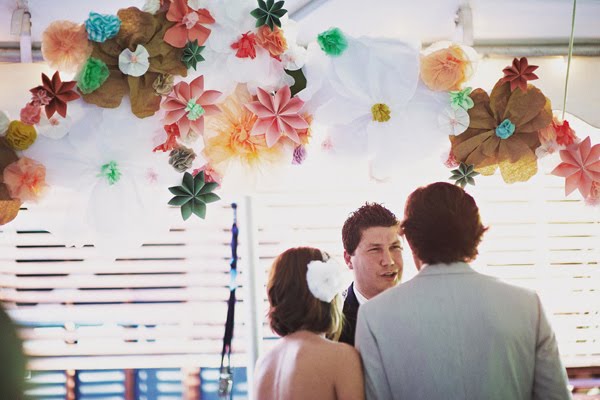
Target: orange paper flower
[[65, 45], [445, 69], [272, 40], [487, 145], [519, 73], [229, 138], [25, 179]]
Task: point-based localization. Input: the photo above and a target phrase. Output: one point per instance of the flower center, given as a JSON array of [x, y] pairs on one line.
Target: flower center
[[110, 171], [54, 121], [381, 112], [505, 129], [190, 20], [194, 110]]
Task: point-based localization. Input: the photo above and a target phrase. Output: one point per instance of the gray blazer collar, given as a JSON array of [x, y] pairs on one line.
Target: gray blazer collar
[[439, 269]]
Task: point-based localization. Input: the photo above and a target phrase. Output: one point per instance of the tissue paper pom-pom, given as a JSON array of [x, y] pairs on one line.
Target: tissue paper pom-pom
[[93, 75], [20, 135], [25, 179], [445, 69], [272, 40], [332, 42], [30, 114], [101, 27], [65, 45]]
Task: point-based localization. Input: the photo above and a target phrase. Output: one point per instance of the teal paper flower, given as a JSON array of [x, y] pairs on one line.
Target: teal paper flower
[[101, 27], [332, 42], [92, 76], [268, 13], [464, 174], [505, 129], [193, 195], [461, 99]]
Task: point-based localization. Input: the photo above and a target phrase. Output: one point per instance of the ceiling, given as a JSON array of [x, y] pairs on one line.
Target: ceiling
[[497, 22]]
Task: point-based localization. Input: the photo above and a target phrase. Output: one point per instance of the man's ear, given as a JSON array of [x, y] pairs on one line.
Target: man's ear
[[347, 259]]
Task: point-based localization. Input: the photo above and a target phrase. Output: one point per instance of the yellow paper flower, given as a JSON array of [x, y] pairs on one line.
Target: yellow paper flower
[[20, 135], [227, 137]]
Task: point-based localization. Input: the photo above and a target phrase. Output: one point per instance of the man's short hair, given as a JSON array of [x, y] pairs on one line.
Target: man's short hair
[[292, 305], [368, 216], [442, 224]]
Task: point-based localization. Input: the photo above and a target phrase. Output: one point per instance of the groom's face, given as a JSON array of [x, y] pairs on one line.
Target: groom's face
[[377, 260]]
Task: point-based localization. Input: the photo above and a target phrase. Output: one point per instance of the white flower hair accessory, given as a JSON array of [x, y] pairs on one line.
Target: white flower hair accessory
[[327, 278]]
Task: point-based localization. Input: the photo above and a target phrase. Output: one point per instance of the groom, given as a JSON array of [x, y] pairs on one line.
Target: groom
[[372, 250]]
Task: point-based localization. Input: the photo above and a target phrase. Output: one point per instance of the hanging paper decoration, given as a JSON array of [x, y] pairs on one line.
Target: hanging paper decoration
[[519, 73], [464, 175], [269, 13], [580, 166], [193, 195]]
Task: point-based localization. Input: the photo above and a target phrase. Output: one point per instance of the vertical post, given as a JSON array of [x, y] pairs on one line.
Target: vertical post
[[254, 286]]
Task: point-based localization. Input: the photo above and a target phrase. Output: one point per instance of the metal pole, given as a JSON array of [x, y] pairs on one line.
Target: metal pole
[[254, 287]]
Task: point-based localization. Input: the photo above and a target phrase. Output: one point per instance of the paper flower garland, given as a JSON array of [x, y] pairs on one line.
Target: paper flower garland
[[503, 132], [580, 166], [277, 115], [269, 13], [193, 195]]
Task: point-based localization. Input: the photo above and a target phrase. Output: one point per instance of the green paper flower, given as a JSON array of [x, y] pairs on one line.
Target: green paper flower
[[193, 195], [464, 175], [192, 54], [268, 13], [332, 42], [111, 172], [461, 99], [93, 75]]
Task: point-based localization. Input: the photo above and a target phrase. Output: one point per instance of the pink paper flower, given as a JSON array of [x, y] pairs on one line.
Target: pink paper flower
[[187, 105], [188, 24], [581, 167], [25, 179], [278, 115], [30, 114]]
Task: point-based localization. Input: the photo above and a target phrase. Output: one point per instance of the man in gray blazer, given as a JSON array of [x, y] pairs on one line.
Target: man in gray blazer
[[451, 333]]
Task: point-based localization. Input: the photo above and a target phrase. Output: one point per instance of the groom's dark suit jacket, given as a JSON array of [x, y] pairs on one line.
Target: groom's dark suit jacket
[[350, 311]]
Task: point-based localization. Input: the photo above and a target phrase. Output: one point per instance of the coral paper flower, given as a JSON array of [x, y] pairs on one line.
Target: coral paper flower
[[30, 114], [65, 45], [580, 166], [187, 105], [59, 93], [25, 179], [171, 141], [565, 136], [189, 24], [446, 69], [277, 115], [519, 73], [245, 46], [503, 132]]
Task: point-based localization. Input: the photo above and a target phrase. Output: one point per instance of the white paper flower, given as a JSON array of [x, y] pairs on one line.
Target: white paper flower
[[4, 122], [454, 121], [151, 6], [134, 63], [326, 279], [54, 128]]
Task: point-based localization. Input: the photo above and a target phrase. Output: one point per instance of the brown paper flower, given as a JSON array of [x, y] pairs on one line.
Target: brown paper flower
[[163, 84], [9, 208], [137, 28], [519, 73], [59, 93], [503, 132], [181, 158]]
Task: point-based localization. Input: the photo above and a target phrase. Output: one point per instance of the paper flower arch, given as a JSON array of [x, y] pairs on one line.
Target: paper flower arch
[[206, 88]]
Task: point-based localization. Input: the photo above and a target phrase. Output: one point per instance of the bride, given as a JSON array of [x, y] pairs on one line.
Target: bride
[[305, 309]]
